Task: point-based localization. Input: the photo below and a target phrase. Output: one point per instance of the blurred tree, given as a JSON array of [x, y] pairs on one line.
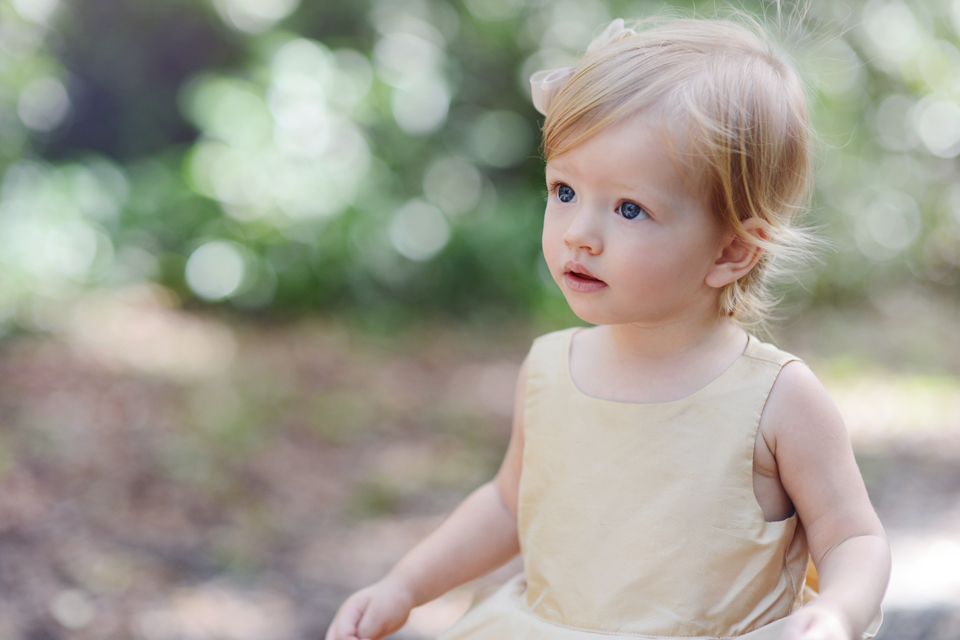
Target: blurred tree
[[126, 61], [350, 156]]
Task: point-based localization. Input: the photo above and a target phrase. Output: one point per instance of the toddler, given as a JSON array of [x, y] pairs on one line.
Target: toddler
[[668, 475]]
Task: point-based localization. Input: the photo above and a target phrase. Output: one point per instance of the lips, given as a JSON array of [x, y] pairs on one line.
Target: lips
[[577, 278]]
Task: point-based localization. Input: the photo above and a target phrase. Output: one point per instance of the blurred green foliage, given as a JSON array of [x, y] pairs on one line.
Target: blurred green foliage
[[352, 156]]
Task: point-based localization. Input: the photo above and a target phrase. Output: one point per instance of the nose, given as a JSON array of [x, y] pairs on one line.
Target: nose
[[584, 233]]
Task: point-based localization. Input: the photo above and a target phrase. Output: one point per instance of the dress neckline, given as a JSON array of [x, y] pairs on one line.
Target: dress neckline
[[568, 374]]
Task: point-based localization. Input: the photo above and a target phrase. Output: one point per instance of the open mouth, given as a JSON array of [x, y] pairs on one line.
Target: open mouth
[[578, 279], [584, 276]]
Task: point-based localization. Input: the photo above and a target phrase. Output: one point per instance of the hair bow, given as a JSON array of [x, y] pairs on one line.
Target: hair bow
[[545, 84]]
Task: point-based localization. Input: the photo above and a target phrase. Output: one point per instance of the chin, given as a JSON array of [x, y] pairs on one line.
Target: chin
[[589, 313], [599, 315]]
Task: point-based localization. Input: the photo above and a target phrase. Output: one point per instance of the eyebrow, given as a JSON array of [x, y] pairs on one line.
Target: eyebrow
[[560, 166], [571, 170]]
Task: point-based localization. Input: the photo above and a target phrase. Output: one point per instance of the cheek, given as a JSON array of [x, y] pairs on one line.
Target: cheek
[[686, 266], [658, 265], [552, 237]]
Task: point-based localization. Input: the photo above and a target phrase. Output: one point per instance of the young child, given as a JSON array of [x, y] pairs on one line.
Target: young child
[[668, 475]]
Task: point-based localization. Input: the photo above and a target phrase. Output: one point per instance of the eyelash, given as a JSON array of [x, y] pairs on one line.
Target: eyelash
[[555, 190]]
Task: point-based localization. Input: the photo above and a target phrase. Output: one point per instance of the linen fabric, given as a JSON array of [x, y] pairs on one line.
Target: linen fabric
[[640, 520]]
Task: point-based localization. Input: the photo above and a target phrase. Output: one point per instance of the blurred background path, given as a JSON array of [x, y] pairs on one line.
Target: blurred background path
[[229, 480]]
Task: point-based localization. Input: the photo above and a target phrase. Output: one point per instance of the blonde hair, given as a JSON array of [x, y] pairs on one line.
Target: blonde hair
[[739, 130]]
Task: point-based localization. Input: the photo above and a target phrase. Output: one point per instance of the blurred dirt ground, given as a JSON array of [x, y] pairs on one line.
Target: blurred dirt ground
[[167, 476]]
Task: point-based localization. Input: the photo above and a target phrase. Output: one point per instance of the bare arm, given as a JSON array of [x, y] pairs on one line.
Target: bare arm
[[805, 432], [479, 536]]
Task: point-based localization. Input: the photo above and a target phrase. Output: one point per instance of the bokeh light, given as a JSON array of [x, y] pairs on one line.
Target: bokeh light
[[72, 247], [283, 151], [495, 10], [410, 57], [501, 139], [421, 108], [939, 65], [315, 142], [568, 24], [888, 225], [55, 230], [893, 30], [215, 270], [453, 184], [44, 104], [403, 59], [231, 111], [839, 71], [893, 122], [36, 10], [73, 609], [419, 230], [938, 124], [254, 16]]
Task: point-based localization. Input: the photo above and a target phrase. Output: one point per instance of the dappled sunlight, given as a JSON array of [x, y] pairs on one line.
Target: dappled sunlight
[[284, 152], [938, 124], [880, 408], [897, 421], [419, 230], [352, 164], [215, 270], [888, 413], [254, 16], [44, 104], [501, 139], [218, 610], [453, 184], [489, 387], [263, 485], [36, 10], [138, 329], [926, 570], [893, 30], [196, 479]]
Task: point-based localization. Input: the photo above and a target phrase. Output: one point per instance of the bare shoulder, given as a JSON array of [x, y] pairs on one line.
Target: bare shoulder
[[805, 432], [799, 407]]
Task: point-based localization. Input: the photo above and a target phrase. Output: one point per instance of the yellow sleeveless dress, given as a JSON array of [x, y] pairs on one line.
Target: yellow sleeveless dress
[[640, 520]]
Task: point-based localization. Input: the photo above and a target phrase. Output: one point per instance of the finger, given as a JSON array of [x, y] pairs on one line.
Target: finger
[[815, 633], [817, 628], [796, 626], [349, 618], [367, 629], [336, 633], [376, 623], [333, 630]]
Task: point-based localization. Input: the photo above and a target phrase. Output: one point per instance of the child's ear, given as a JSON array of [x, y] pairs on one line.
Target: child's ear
[[737, 256]]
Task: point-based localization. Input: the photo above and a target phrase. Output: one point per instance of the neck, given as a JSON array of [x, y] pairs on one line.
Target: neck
[[675, 339]]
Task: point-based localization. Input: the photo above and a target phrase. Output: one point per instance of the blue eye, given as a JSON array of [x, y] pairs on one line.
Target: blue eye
[[565, 193], [631, 210]]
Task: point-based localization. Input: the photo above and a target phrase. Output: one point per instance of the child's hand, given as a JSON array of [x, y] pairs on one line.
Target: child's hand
[[372, 613], [816, 622]]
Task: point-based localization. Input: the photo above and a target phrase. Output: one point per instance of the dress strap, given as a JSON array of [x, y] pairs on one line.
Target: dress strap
[[549, 361], [764, 351]]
